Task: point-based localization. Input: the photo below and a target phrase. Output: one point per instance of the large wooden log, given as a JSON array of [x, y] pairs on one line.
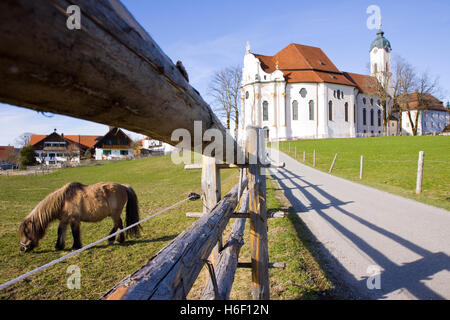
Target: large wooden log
[[228, 260], [171, 273], [110, 71]]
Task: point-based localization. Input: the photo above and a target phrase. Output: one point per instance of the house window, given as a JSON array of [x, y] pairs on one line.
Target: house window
[[123, 152], [265, 111], [364, 117], [346, 111], [379, 118], [106, 152], [330, 111], [295, 110], [371, 117], [311, 110]]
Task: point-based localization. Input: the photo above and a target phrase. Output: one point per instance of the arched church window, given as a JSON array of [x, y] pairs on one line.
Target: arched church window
[[330, 110], [379, 118], [371, 117], [247, 95], [342, 94], [303, 92], [311, 110], [364, 116], [371, 102], [375, 68], [265, 111], [295, 110], [346, 111], [339, 94], [364, 100]]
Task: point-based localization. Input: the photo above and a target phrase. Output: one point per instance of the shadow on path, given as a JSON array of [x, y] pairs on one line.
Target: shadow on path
[[408, 276]]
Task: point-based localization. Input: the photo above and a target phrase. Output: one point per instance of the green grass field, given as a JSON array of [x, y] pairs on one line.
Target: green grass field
[[158, 184], [390, 163]]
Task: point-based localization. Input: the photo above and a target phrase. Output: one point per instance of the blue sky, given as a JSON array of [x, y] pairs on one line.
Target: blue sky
[[210, 35]]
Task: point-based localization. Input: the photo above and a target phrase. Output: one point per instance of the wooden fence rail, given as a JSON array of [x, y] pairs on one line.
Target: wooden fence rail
[[228, 259], [110, 71]]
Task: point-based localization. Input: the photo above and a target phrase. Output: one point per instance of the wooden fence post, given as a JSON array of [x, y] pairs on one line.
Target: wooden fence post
[[304, 156], [314, 158], [211, 194], [332, 165], [419, 173], [361, 168], [295, 153], [258, 219]]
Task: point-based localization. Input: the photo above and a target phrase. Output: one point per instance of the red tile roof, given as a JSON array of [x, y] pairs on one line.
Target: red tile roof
[[4, 150], [35, 138], [366, 84], [411, 102], [88, 141], [300, 63]]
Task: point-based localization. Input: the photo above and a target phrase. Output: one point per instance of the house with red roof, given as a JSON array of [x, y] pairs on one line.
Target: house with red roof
[[300, 93], [429, 112], [59, 148]]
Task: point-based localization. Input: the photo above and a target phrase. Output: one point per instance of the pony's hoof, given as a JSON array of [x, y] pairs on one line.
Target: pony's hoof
[[74, 248], [58, 248]]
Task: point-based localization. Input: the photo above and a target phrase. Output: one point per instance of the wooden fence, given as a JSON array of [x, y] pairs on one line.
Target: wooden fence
[[112, 72]]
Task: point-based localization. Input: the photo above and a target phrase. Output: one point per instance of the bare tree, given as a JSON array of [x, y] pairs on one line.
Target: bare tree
[[404, 90], [391, 87], [23, 140], [424, 89], [225, 92]]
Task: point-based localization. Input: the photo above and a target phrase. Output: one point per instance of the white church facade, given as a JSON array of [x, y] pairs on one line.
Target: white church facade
[[300, 93]]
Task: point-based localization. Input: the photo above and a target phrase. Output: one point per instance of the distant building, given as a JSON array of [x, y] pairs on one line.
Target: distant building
[[433, 116], [57, 148], [115, 145], [151, 146], [300, 93], [7, 153]]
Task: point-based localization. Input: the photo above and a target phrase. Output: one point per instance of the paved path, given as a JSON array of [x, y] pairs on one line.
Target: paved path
[[362, 229]]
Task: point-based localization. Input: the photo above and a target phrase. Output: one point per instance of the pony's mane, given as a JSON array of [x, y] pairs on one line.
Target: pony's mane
[[48, 209]]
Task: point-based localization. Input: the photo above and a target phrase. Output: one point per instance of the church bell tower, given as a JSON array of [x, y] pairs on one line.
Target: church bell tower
[[380, 60]]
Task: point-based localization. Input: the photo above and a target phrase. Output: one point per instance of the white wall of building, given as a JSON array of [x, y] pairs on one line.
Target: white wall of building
[[114, 154]]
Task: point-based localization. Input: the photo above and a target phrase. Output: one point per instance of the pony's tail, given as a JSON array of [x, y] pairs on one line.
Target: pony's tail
[[132, 215]]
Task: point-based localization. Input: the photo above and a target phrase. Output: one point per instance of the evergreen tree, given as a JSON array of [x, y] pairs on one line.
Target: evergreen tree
[[27, 156]]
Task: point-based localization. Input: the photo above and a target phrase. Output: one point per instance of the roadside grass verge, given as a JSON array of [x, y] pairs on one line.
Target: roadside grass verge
[[390, 163]]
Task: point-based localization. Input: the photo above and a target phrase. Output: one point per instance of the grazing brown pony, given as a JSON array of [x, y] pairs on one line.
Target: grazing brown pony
[[74, 203]]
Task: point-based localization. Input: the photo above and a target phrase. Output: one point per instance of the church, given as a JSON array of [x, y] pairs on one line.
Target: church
[[299, 93]]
